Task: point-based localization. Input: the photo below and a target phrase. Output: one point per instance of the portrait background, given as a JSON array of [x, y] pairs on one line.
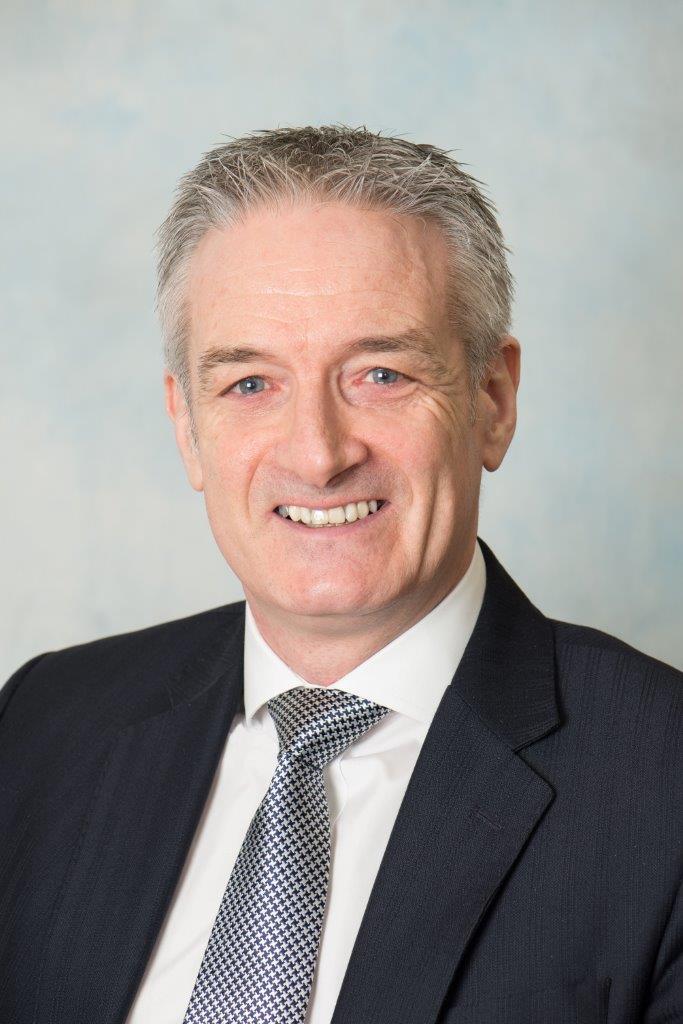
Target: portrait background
[[571, 116]]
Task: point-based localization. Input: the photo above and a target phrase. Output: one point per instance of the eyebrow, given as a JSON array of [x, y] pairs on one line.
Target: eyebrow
[[416, 341]]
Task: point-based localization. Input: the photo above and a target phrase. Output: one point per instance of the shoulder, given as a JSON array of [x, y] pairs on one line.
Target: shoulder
[[583, 649], [619, 694], [99, 671]]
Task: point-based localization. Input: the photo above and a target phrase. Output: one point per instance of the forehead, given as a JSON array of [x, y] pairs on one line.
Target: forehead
[[317, 272]]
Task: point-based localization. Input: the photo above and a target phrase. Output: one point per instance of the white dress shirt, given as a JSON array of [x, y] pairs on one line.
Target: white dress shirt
[[365, 786]]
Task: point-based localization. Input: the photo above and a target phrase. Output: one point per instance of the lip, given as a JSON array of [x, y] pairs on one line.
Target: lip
[[327, 531]]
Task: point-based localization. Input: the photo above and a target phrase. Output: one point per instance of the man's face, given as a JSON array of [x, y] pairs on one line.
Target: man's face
[[324, 373]]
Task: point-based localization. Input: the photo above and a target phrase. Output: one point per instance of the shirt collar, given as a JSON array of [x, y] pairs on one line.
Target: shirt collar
[[408, 675]]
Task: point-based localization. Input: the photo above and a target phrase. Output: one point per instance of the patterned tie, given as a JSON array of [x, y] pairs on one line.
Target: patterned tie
[[259, 962]]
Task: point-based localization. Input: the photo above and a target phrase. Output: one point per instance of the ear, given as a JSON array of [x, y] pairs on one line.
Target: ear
[[177, 409], [497, 403]]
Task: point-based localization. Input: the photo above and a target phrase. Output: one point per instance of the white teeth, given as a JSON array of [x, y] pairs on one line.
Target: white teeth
[[338, 516]]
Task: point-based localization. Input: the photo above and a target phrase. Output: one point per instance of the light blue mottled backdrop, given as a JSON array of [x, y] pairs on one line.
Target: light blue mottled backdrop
[[571, 113]]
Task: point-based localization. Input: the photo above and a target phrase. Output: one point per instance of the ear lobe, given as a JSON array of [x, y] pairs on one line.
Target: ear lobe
[[178, 412]]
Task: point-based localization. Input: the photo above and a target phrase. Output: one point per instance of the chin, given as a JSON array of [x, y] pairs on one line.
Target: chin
[[329, 597]]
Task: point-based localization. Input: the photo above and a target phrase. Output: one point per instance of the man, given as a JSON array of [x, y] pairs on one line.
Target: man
[[386, 788]]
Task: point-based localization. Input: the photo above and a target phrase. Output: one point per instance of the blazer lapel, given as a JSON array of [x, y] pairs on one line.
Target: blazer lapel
[[470, 807], [144, 811]]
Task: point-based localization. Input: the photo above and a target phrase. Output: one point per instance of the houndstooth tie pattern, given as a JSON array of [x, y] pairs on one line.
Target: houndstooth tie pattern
[[259, 962]]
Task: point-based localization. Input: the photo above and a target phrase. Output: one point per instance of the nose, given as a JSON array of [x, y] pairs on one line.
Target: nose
[[318, 442]]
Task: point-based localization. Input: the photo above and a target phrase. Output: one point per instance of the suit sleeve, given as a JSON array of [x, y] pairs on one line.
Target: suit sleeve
[[14, 682], [665, 1004]]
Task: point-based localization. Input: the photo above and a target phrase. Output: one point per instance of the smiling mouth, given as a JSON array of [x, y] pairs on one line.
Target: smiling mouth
[[340, 515]]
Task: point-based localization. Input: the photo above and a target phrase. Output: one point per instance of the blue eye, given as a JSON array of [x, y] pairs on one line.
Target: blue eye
[[248, 385], [386, 373]]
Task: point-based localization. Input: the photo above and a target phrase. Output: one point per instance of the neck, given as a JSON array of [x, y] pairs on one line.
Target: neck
[[322, 649]]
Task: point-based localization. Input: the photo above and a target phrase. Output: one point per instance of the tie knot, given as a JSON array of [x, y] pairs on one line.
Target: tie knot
[[318, 724]]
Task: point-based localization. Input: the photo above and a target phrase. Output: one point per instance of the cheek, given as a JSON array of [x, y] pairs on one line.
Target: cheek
[[429, 446], [226, 474], [229, 457], [440, 462]]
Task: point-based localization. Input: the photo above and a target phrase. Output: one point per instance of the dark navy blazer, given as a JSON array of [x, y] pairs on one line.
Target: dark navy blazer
[[532, 875]]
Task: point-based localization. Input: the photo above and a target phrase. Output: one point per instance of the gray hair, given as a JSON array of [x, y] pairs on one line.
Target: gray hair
[[354, 166]]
